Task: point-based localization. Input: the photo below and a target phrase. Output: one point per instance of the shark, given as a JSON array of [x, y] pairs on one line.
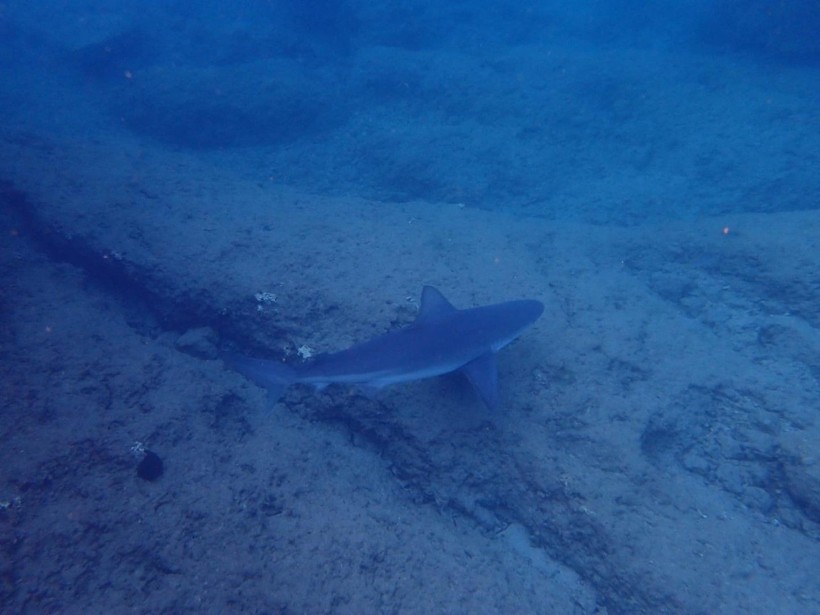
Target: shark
[[441, 340]]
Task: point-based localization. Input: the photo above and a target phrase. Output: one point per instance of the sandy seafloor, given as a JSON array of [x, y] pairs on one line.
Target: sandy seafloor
[[657, 450]]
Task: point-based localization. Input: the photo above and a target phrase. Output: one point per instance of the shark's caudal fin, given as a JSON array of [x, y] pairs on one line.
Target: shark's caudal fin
[[272, 375]]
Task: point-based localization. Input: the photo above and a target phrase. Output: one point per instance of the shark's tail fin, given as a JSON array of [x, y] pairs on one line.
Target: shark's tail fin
[[272, 375]]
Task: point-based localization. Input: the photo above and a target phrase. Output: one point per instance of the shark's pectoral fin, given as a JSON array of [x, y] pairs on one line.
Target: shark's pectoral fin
[[483, 375]]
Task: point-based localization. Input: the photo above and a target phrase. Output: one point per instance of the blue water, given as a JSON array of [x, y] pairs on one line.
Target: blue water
[[563, 112], [125, 127]]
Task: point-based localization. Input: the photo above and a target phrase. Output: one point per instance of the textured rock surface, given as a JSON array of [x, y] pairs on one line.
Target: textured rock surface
[[657, 427]]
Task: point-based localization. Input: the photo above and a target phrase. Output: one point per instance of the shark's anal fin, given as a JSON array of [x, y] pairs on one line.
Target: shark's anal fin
[[368, 390], [483, 375]]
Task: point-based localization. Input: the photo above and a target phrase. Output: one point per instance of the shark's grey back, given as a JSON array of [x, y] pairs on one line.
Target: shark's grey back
[[443, 339]]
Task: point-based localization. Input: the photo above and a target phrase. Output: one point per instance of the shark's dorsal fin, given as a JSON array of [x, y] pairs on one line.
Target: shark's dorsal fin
[[434, 306]]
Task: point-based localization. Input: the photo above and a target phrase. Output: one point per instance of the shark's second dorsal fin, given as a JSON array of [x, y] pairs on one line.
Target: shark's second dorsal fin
[[434, 305]]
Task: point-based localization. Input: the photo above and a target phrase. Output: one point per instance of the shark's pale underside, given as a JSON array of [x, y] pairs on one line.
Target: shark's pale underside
[[441, 340]]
